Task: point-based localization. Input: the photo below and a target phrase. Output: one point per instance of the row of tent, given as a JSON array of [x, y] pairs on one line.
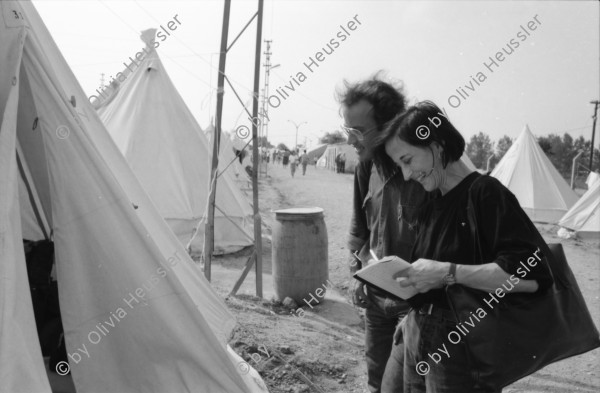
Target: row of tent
[[121, 270], [525, 170], [328, 153], [543, 193], [171, 156], [121, 210]]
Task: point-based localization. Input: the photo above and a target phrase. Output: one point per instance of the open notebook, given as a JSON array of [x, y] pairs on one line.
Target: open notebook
[[382, 274]]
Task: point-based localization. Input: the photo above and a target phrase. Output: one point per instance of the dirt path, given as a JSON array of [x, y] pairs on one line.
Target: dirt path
[[324, 347]]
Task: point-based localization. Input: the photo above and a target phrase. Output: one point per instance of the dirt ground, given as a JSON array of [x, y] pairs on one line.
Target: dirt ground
[[321, 349]]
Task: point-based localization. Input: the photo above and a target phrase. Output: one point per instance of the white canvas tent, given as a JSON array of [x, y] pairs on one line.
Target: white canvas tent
[[327, 160], [592, 178], [584, 216], [171, 156], [128, 292], [528, 173], [229, 164]]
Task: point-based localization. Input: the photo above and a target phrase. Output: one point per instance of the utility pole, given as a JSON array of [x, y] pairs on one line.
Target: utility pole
[[261, 133], [595, 116], [297, 127], [265, 109], [210, 225], [209, 232], [257, 219]]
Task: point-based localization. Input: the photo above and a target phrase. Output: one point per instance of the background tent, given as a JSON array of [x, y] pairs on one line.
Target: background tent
[[129, 293], [528, 173], [327, 160], [171, 156], [316, 153], [592, 178], [584, 216], [229, 164]]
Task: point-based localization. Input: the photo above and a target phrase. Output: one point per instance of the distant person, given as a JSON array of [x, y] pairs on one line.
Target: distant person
[[293, 163], [286, 159], [337, 163], [343, 163], [304, 161]]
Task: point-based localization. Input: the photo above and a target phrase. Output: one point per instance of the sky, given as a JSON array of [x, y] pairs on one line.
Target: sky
[[444, 51]]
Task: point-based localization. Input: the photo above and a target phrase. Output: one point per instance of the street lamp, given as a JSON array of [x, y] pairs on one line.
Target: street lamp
[[297, 127]]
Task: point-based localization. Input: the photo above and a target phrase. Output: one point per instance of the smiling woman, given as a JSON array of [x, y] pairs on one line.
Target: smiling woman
[[423, 158], [444, 255]]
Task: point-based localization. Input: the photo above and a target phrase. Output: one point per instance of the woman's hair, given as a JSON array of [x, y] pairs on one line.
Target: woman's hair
[[421, 125]]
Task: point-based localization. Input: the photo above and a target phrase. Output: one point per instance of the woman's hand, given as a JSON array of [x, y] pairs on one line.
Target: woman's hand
[[424, 275]]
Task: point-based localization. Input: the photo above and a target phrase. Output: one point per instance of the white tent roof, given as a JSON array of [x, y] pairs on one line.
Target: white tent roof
[[528, 173], [171, 156], [328, 158], [584, 216], [121, 271]]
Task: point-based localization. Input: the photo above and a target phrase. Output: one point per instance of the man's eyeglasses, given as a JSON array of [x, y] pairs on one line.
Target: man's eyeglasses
[[360, 135]]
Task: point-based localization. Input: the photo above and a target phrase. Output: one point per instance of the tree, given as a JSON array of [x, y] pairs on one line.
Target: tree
[[502, 147], [333, 137], [282, 146], [560, 151], [581, 144], [479, 149]]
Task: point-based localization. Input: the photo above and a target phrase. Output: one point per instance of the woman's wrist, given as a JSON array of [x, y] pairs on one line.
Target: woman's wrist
[[450, 275]]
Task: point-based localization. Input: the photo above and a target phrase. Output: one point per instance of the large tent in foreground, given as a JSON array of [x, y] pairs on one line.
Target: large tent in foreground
[[171, 156], [584, 216], [135, 308], [528, 173]]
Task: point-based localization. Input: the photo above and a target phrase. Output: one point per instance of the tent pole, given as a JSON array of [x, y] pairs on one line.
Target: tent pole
[[595, 116], [209, 232], [574, 167], [255, 154]]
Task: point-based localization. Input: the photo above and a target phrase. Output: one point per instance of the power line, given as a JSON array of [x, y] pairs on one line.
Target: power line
[[307, 97], [190, 49], [167, 57]]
